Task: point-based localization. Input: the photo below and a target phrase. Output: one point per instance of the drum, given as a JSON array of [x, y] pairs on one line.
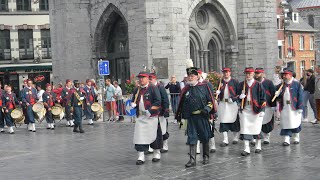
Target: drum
[[97, 110], [38, 107], [57, 112], [39, 111], [17, 116]]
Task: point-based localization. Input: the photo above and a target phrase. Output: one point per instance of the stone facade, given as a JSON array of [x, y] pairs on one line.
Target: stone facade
[[234, 33]]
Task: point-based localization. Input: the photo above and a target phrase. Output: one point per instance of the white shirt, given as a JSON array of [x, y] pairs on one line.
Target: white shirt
[[39, 95], [118, 92]]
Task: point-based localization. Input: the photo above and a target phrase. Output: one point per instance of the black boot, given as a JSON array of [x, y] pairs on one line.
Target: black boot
[[75, 128], [205, 147], [81, 130], [192, 153]]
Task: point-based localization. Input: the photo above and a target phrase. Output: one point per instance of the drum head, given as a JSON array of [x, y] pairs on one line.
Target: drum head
[[95, 107], [56, 110], [37, 107], [16, 113]]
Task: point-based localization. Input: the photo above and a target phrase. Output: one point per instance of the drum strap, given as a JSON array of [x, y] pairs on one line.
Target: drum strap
[[77, 96]]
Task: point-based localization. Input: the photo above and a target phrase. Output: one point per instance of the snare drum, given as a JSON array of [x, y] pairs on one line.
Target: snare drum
[[57, 112], [17, 116]]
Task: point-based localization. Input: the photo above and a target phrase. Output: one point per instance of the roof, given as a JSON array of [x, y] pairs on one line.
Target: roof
[[300, 4], [300, 26]]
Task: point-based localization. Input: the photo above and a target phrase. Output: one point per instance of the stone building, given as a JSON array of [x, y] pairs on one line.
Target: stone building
[[161, 34]]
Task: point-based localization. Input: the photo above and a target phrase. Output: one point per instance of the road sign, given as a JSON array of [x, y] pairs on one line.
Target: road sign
[[103, 68]]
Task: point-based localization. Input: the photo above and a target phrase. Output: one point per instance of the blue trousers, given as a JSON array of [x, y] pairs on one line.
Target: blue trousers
[[289, 132], [49, 117], [68, 113], [174, 102], [30, 114], [8, 118], [88, 112], [77, 114], [307, 97]]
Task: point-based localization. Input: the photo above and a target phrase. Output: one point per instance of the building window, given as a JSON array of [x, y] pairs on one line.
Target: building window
[[26, 44], [311, 42], [295, 17], [46, 43], [278, 23], [302, 66], [301, 42], [4, 5], [290, 41], [44, 5], [311, 20], [280, 52], [23, 5], [5, 48], [312, 64]]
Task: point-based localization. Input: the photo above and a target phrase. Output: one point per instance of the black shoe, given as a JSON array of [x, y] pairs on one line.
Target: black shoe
[[234, 142], [75, 129], [285, 144], [155, 160], [296, 142], [139, 162], [163, 151], [223, 144], [205, 160], [34, 130], [245, 153], [48, 127], [91, 124], [190, 164], [212, 150], [266, 142], [258, 151], [81, 130], [52, 128], [2, 132], [12, 133], [192, 153]]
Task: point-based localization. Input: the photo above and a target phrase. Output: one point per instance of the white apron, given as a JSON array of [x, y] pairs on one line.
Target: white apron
[[145, 129], [289, 118], [227, 112], [250, 122], [267, 115], [163, 124]]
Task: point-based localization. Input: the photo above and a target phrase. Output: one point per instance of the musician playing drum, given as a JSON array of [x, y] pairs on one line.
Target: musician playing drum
[[66, 101], [90, 99], [77, 100], [49, 99], [9, 100], [29, 98]]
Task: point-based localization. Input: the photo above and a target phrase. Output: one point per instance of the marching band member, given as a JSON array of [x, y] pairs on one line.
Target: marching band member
[[268, 118], [164, 111], [49, 99], [253, 101], [228, 107], [195, 105], [9, 100], [290, 96], [29, 98], [66, 101], [90, 99], [2, 118], [147, 100], [77, 100]]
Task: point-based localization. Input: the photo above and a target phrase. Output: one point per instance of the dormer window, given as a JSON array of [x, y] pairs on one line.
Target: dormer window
[[295, 17]]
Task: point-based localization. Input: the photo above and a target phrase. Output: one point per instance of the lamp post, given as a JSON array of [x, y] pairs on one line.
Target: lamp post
[[286, 22]]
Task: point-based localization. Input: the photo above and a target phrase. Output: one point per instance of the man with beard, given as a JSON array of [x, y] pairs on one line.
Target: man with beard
[[291, 108], [196, 104], [253, 100], [228, 107], [268, 118]]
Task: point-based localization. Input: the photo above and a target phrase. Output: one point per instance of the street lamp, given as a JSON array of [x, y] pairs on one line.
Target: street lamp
[[286, 22]]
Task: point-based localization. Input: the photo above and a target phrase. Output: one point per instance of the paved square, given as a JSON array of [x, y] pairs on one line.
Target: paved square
[[106, 151]]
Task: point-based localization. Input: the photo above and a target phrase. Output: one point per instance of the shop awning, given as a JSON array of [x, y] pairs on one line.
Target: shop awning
[[26, 67]]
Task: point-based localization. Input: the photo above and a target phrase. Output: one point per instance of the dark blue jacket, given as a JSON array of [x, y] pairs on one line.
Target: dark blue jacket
[[49, 99], [28, 95], [296, 94], [75, 100], [164, 110], [270, 90], [89, 92], [9, 101], [232, 86]]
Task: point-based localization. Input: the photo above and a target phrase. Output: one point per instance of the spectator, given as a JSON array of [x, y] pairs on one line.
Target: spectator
[[110, 101], [277, 77], [119, 100], [183, 82], [40, 92], [174, 89], [317, 95], [308, 82]]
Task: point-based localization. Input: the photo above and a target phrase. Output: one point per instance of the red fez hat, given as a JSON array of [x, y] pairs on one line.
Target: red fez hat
[[48, 84], [143, 74], [153, 76], [226, 69], [259, 70], [199, 71], [249, 70], [68, 80]]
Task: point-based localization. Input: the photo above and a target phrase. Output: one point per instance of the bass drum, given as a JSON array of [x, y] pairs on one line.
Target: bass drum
[[39, 111], [97, 110], [57, 112], [17, 116]]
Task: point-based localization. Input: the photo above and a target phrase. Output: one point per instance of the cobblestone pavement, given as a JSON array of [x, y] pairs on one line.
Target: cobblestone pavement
[[106, 151]]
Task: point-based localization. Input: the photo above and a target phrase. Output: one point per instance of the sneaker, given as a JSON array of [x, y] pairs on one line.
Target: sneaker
[[305, 120], [314, 121]]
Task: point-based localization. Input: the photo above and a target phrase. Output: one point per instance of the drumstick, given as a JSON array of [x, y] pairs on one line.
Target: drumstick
[[219, 87], [243, 91], [274, 98], [136, 96]]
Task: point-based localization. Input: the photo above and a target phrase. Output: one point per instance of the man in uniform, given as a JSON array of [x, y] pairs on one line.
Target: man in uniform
[[147, 100], [66, 101], [164, 111], [9, 100], [291, 107], [196, 105], [228, 107], [77, 100], [268, 118], [90, 99], [253, 100], [29, 98], [49, 99]]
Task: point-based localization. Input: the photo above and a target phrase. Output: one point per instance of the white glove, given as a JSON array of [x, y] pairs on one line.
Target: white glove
[[261, 114], [277, 93], [81, 98], [148, 114], [230, 100], [133, 105], [242, 96], [218, 92], [300, 111]]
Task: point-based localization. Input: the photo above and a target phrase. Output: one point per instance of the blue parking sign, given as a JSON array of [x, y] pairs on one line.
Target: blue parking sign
[[103, 68]]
